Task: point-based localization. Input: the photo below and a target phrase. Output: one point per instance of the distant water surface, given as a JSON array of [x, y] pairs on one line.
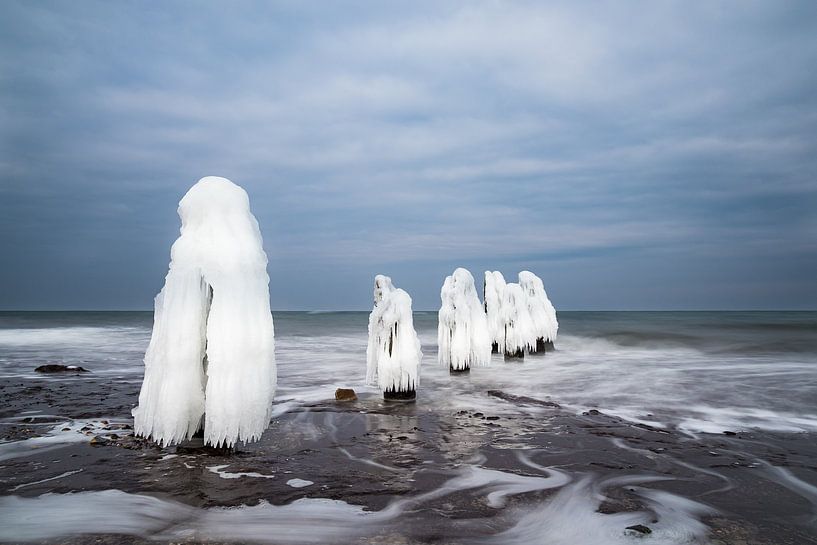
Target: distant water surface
[[696, 371]]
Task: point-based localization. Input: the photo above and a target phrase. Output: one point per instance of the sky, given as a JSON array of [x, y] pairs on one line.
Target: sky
[[635, 155]]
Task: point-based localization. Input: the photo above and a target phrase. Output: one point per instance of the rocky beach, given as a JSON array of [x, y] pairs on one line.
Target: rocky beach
[[484, 457]]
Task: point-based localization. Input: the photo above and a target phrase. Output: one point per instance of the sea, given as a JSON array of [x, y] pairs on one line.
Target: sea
[[701, 378], [697, 371]]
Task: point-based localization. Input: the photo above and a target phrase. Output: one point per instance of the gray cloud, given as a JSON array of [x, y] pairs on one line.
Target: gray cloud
[[658, 155]]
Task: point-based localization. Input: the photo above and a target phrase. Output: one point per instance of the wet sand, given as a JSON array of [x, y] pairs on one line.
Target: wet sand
[[401, 472]]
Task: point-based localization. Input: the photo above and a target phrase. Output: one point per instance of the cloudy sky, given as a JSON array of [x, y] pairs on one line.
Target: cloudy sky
[[641, 155]]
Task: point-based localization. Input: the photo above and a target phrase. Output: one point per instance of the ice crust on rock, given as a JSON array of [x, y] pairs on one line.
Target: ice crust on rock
[[493, 293], [211, 355], [542, 312], [518, 330], [462, 333], [393, 354]]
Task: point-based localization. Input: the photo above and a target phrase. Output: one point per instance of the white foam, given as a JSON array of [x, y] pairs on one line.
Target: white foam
[[571, 517], [115, 512], [59, 436], [60, 476], [299, 483], [219, 470], [568, 517]]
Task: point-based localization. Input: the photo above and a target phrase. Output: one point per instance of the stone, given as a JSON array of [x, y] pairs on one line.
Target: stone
[[58, 368], [345, 394], [639, 529]]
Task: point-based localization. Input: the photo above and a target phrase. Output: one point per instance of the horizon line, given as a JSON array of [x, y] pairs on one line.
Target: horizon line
[[436, 310]]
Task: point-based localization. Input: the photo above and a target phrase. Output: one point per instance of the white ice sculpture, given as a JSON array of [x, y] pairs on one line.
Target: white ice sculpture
[[493, 293], [211, 358], [393, 354], [462, 333], [518, 331], [542, 312]]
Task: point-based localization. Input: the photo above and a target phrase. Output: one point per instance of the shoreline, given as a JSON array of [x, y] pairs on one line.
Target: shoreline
[[372, 455]]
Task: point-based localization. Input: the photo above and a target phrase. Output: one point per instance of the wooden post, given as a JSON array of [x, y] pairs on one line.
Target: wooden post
[[516, 355], [544, 346], [393, 394]]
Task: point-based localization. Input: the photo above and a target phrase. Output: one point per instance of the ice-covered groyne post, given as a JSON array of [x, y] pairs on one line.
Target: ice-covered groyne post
[[211, 359], [517, 327], [542, 312], [492, 294], [393, 354], [462, 332]]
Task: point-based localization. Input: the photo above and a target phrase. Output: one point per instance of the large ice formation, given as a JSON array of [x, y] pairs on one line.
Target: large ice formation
[[393, 354], [211, 360], [462, 333], [517, 326], [542, 313], [493, 293]]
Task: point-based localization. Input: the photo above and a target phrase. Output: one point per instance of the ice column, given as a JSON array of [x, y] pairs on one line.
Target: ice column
[[517, 326], [393, 354], [493, 292], [462, 333], [542, 312], [211, 360]]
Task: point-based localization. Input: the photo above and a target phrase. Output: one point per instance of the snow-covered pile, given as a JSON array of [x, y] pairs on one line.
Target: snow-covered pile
[[393, 355], [211, 355], [462, 333], [519, 333], [493, 294], [541, 309]]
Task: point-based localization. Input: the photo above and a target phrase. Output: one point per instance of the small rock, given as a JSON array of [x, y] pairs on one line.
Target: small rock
[[345, 394], [639, 529], [593, 412], [491, 418], [478, 415], [99, 441], [58, 368], [729, 433]]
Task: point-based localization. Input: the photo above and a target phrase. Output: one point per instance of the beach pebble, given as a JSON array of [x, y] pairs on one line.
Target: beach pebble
[[345, 394]]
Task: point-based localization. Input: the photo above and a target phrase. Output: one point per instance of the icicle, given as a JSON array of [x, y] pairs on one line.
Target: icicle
[[517, 326], [543, 315], [211, 357], [462, 333], [493, 288], [393, 354]]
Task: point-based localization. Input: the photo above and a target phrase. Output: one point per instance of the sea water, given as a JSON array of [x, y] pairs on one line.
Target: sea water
[[695, 374], [697, 371]]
